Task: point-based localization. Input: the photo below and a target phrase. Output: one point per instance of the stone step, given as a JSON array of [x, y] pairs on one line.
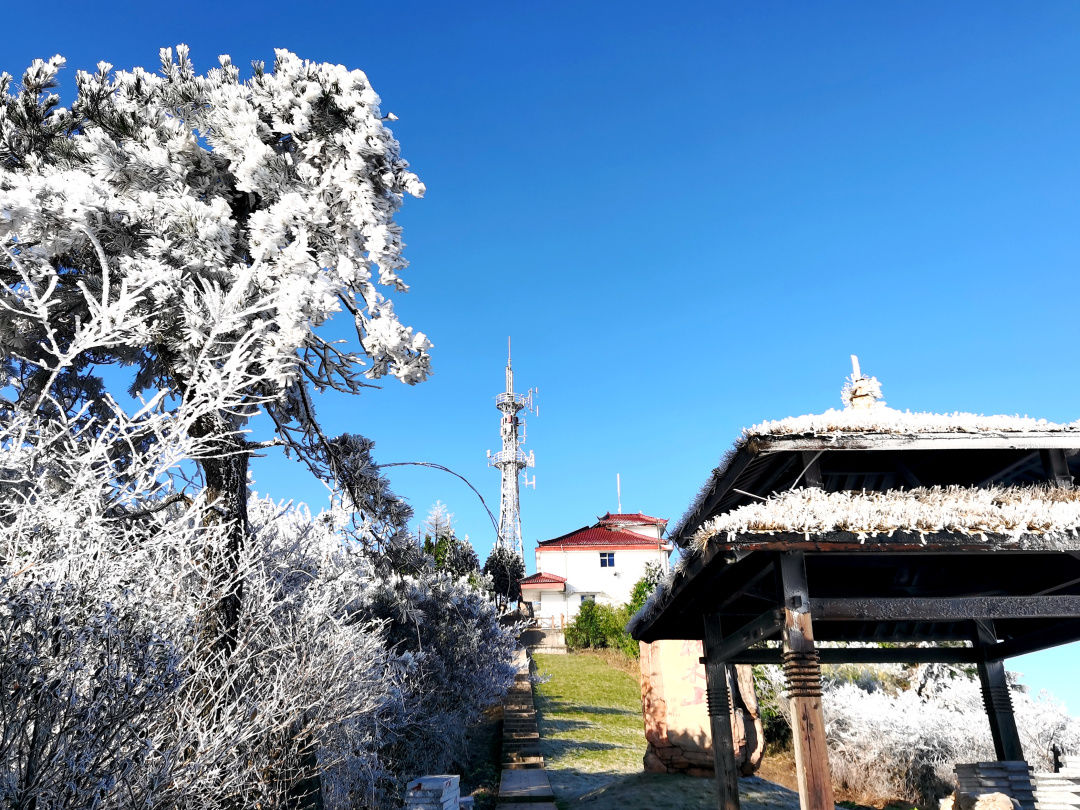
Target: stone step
[[524, 751], [532, 785]]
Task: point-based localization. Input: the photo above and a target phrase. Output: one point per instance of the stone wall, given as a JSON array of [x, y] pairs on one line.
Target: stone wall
[[676, 718], [544, 640]]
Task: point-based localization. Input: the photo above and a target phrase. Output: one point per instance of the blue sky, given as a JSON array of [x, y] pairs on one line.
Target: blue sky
[[687, 215]]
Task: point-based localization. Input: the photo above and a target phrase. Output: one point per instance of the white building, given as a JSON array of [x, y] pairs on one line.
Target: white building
[[601, 562]]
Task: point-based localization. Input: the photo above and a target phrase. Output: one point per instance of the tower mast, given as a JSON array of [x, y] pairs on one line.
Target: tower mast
[[511, 460]]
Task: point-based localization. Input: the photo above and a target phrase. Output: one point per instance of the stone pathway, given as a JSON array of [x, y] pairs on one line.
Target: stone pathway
[[524, 781]]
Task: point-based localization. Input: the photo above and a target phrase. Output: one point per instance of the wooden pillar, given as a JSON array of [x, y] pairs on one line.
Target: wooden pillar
[[802, 672], [996, 697], [718, 699]]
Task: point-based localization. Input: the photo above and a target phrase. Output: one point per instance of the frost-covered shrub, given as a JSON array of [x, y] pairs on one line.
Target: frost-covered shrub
[[309, 686], [897, 732], [456, 659], [194, 232], [81, 686]]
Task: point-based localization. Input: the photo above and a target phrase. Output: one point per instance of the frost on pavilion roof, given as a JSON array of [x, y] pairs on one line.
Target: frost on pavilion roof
[[750, 494], [850, 484], [1036, 516], [883, 420], [868, 429]]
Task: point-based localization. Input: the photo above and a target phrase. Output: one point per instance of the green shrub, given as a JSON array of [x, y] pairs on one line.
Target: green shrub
[[599, 626], [644, 587]]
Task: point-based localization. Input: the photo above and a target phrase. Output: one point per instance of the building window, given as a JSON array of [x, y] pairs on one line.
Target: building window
[[607, 559], [587, 597]]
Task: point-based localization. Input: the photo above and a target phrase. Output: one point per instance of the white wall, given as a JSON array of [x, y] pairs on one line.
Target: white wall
[[585, 577], [550, 604]]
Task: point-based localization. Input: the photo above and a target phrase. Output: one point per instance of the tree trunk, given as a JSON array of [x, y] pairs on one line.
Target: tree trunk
[[225, 474]]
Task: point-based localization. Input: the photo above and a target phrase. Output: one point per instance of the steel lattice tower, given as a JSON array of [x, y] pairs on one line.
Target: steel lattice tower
[[511, 460]]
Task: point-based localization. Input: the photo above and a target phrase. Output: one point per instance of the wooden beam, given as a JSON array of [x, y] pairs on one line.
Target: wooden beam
[[867, 655], [1031, 440], [752, 569], [995, 689], [909, 477], [718, 700], [893, 542], [1056, 466], [949, 609], [760, 629], [1042, 639], [766, 485], [1025, 460], [803, 676], [811, 474]]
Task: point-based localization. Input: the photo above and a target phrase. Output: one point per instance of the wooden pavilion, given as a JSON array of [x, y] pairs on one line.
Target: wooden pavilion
[[955, 538]]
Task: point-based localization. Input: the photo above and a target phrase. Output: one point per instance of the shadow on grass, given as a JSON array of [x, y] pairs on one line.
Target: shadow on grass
[[556, 706], [554, 749], [552, 724]]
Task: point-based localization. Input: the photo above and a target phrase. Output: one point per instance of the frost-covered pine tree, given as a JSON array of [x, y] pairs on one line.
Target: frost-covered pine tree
[[506, 570], [195, 231], [439, 522], [203, 210]]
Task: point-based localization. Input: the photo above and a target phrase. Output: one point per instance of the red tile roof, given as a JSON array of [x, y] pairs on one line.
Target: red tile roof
[[540, 578], [600, 535], [635, 517]]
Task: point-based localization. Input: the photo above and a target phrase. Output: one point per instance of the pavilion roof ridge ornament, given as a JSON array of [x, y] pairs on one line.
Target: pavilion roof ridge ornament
[[861, 391]]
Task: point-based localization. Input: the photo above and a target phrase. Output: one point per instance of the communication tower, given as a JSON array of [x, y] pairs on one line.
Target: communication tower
[[511, 460]]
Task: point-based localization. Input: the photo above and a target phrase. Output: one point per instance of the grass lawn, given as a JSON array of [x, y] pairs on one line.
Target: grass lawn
[[593, 739]]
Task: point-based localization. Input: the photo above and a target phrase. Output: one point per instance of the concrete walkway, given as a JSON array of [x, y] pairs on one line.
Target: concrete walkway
[[524, 780]]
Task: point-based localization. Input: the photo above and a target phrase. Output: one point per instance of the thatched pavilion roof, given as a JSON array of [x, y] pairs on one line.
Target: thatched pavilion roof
[[876, 480]]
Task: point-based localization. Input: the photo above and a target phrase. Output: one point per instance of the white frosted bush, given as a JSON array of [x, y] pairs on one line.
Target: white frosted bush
[[193, 232], [898, 732]]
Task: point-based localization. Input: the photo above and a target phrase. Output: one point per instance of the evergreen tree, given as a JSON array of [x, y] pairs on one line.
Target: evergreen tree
[[644, 587], [439, 522], [197, 230], [506, 570], [203, 211], [459, 558]]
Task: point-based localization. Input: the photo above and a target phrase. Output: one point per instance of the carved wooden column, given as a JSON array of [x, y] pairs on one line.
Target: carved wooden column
[[718, 698], [996, 697], [802, 672]]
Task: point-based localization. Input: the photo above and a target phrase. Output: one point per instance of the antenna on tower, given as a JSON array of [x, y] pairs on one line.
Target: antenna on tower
[[618, 491], [511, 461]]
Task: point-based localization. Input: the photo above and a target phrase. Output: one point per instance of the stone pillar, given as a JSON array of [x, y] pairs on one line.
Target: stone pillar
[[677, 725]]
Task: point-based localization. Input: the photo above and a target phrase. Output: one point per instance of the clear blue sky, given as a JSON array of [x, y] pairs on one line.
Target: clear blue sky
[[688, 215]]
